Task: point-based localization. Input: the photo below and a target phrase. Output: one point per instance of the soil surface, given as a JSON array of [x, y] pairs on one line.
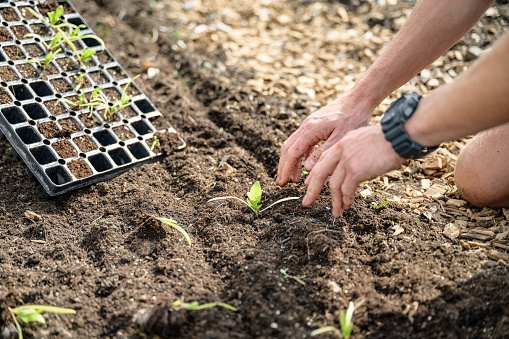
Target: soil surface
[[236, 80]]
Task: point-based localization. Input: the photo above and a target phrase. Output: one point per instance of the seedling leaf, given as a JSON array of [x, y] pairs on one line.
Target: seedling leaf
[[55, 15], [254, 196], [194, 306], [86, 55], [173, 224], [326, 329]]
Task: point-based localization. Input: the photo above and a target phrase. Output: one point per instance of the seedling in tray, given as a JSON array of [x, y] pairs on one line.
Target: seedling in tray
[[32, 313], [63, 37], [253, 198], [96, 99]]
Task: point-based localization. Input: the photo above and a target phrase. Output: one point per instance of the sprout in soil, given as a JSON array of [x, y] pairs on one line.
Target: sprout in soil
[[173, 224], [194, 306], [345, 320], [81, 81], [253, 198], [96, 99], [284, 272], [375, 206], [31, 313], [156, 142], [67, 38]]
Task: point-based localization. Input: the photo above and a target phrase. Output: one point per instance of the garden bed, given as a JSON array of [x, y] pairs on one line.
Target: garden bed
[[97, 250]]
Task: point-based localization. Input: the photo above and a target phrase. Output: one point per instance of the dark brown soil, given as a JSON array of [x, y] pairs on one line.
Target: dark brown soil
[[34, 51], [98, 77], [96, 251], [5, 35], [111, 94], [123, 132], [4, 97], [69, 125], [61, 85], [103, 57], [20, 31], [40, 29], [55, 108], [8, 14], [85, 144], [26, 14], [14, 53], [159, 123], [116, 73], [79, 168], [27, 71], [49, 129], [8, 74], [89, 122], [64, 149], [128, 112], [67, 64]]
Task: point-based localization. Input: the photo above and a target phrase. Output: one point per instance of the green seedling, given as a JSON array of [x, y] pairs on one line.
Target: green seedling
[[87, 53], [375, 206], [32, 313], [194, 306], [253, 198], [173, 224], [47, 59], [68, 38], [345, 320], [156, 142], [81, 81], [284, 272]]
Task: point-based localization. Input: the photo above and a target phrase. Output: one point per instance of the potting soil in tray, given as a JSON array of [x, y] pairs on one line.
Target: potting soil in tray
[[64, 146]]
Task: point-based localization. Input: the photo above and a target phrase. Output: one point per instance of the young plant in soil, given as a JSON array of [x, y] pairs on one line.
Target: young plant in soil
[[156, 142], [96, 99], [32, 313], [253, 198], [173, 224], [195, 306], [67, 38], [375, 206], [345, 320]]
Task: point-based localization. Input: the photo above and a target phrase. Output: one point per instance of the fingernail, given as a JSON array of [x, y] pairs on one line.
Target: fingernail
[[304, 200], [310, 163]]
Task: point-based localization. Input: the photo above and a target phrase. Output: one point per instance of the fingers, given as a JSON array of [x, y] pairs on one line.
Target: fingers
[[291, 154], [335, 183], [315, 155], [320, 173]]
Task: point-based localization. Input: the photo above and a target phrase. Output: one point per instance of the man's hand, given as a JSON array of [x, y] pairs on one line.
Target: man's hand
[[360, 155], [328, 124]]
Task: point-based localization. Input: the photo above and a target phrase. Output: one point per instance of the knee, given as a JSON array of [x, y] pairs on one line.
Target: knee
[[476, 183]]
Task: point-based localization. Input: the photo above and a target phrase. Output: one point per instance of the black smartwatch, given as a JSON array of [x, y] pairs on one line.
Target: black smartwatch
[[392, 126]]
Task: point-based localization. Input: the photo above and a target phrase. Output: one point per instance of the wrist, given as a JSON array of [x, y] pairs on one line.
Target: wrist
[[393, 126]]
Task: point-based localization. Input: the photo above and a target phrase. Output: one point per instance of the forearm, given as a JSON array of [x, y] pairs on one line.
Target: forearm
[[477, 100], [432, 28]]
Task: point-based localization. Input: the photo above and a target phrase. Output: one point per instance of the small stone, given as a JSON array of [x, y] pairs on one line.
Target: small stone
[[451, 231], [432, 83], [32, 216], [274, 325], [334, 286], [152, 72]]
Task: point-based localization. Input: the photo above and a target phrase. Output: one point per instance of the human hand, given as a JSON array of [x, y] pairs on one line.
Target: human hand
[[328, 124], [360, 155]]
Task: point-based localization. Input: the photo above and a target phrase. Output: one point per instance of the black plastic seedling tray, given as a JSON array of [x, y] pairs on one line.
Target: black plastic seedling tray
[[61, 145]]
